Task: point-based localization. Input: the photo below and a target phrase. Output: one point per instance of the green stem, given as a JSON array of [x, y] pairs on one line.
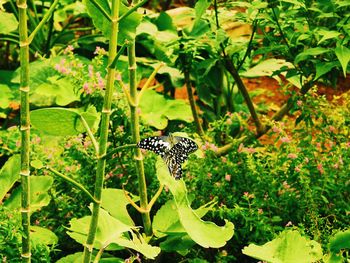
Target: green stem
[[132, 9], [103, 11], [73, 182], [89, 132], [136, 138], [106, 112], [43, 21], [25, 130]]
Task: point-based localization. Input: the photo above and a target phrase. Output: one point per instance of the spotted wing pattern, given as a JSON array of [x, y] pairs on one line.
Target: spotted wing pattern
[[156, 144], [173, 149]]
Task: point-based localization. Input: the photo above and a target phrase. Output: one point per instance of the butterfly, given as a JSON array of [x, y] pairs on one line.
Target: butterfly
[[174, 150]]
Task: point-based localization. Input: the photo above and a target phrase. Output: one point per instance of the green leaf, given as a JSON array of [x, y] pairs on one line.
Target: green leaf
[[180, 243], [324, 67], [288, 247], [78, 257], [37, 164], [61, 121], [39, 185], [341, 240], [266, 68], [156, 110], [204, 233], [109, 234], [8, 22], [310, 52], [343, 55], [41, 235], [127, 26], [327, 34], [6, 96], [200, 8], [56, 91], [165, 22], [115, 202], [9, 174]]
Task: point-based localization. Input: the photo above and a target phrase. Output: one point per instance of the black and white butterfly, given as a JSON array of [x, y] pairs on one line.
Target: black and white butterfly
[[173, 149]]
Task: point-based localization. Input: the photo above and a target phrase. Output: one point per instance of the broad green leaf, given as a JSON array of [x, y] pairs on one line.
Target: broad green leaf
[[40, 235], [288, 247], [109, 234], [37, 164], [266, 68], [204, 233], [165, 22], [127, 26], [139, 244], [341, 240], [61, 121], [323, 68], [115, 202], [56, 91], [156, 110], [109, 230], [175, 75], [181, 243], [8, 22], [6, 96], [310, 52], [167, 221], [343, 55], [40, 72], [78, 257], [9, 174], [39, 186]]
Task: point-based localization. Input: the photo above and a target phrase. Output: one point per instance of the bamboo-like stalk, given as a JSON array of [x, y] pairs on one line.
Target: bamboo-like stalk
[[25, 130], [106, 112], [140, 170]]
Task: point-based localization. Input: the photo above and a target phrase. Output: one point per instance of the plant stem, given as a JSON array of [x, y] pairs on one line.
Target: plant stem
[[233, 71], [140, 170], [73, 182], [25, 130], [106, 112], [193, 103]]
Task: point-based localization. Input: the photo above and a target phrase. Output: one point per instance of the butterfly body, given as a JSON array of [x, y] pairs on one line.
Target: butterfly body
[[174, 150]]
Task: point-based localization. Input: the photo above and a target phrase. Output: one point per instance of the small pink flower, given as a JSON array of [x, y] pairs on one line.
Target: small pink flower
[[292, 156], [18, 143], [297, 169], [285, 139], [229, 121], [306, 160], [320, 168], [209, 175], [86, 88], [228, 177], [332, 129], [276, 129], [289, 223], [224, 159], [249, 150], [213, 147], [299, 103], [347, 144], [260, 211]]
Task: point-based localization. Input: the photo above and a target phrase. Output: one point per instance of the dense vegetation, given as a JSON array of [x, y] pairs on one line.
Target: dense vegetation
[[82, 83]]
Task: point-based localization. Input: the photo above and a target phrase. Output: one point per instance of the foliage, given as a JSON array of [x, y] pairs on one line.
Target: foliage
[[285, 191]]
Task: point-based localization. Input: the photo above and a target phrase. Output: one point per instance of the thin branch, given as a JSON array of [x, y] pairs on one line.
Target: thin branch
[[148, 82], [43, 21], [132, 10], [155, 197], [73, 182], [103, 11], [89, 132], [141, 210], [119, 148]]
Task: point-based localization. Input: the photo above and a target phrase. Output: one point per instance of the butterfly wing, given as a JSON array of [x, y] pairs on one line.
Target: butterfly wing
[[178, 154], [156, 144]]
